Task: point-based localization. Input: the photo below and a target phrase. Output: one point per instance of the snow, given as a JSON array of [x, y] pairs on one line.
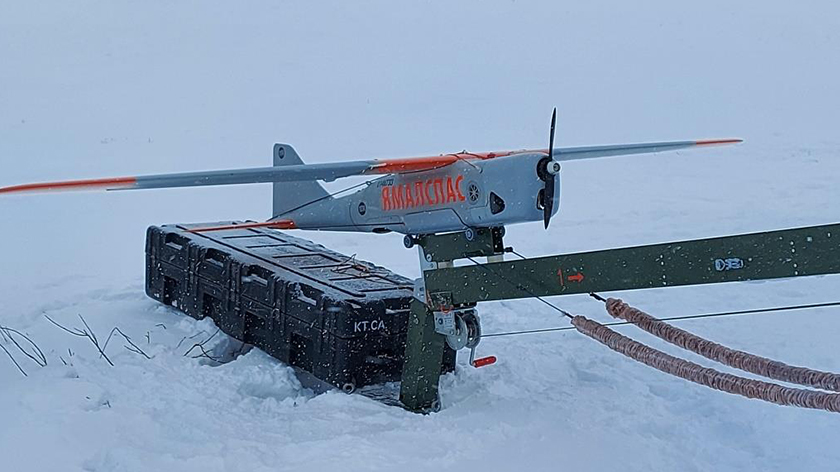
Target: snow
[[96, 88]]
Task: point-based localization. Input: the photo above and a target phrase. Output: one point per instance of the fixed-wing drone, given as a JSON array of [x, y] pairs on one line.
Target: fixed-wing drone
[[412, 196]]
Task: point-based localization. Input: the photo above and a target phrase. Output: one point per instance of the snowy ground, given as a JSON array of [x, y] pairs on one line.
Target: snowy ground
[[97, 88]]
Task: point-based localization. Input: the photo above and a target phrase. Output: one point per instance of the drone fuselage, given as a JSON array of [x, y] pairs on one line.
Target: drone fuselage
[[474, 193]]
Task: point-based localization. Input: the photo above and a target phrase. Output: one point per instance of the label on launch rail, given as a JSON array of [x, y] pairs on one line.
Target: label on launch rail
[[731, 263]]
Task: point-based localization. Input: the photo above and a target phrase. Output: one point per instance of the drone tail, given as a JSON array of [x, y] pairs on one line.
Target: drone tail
[[289, 196]]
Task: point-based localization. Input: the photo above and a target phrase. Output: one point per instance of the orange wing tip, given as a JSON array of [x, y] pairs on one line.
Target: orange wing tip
[[89, 184], [718, 142], [279, 224]]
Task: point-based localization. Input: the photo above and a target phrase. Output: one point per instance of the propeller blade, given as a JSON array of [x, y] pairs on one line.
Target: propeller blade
[[551, 134], [548, 200], [550, 178]]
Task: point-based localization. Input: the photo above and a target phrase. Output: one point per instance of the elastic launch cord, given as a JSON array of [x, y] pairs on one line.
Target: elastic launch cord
[[727, 356], [711, 378]]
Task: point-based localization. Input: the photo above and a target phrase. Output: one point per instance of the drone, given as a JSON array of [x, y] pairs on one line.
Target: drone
[[461, 191]]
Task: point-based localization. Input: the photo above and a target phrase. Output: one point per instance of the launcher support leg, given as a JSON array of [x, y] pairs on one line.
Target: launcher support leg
[[423, 357]]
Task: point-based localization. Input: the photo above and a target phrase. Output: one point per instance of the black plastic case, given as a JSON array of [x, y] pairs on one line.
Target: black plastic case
[[338, 318]]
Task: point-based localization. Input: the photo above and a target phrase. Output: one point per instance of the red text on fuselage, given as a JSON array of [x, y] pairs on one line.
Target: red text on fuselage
[[422, 193]]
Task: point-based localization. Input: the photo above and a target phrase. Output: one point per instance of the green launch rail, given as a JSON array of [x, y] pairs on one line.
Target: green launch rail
[[796, 252]]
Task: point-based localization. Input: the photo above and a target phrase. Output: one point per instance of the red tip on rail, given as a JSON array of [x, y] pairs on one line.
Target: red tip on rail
[[279, 224], [484, 361]]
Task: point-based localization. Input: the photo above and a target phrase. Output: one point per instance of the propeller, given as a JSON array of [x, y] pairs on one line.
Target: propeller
[[549, 174]]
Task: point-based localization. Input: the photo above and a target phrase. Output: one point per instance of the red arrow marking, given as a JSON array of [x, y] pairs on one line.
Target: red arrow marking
[[575, 278]]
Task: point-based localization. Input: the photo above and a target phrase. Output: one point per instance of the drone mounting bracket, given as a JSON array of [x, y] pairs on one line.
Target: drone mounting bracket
[[448, 247]]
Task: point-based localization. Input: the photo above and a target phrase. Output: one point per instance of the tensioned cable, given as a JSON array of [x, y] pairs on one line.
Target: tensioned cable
[[621, 323], [520, 255], [522, 288], [677, 318]]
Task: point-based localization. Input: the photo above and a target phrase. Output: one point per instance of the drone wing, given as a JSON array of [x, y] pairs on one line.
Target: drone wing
[[591, 152], [290, 173], [332, 171], [193, 179]]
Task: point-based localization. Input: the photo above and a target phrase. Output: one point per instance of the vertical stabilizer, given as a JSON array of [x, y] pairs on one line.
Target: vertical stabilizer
[[291, 195]]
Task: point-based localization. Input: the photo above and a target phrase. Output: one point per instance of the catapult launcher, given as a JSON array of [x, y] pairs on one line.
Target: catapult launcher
[[352, 324]]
